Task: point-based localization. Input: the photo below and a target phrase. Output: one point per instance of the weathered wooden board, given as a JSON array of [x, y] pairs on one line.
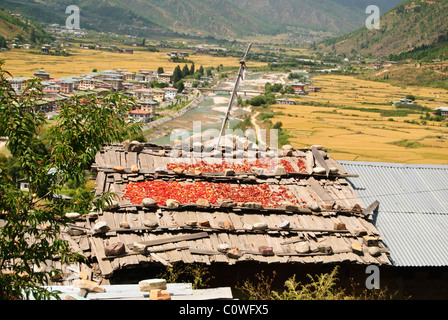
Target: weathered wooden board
[[173, 239], [321, 192]]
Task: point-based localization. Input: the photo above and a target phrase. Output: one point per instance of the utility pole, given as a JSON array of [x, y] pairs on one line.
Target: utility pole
[[235, 89]]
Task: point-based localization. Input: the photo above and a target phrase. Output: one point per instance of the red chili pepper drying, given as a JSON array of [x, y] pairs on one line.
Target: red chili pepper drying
[[213, 192]]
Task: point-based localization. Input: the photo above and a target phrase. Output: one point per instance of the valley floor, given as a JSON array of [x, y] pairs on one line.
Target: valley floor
[[341, 118]]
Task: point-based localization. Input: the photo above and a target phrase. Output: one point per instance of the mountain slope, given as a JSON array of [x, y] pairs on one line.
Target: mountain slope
[[12, 26], [337, 16], [216, 17], [219, 18], [410, 25]]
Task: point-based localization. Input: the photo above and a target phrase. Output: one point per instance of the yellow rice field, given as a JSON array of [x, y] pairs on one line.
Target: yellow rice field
[[366, 136]]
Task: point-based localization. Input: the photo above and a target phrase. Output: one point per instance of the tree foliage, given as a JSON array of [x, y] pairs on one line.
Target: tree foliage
[[32, 221]]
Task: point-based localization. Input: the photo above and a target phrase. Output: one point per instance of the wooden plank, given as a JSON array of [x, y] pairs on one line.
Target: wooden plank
[[75, 247], [293, 163], [334, 163], [173, 239], [123, 161], [320, 160], [84, 243], [117, 157], [99, 160], [149, 162], [98, 249], [203, 251], [132, 159], [320, 191], [157, 258], [158, 162], [370, 209], [309, 162]]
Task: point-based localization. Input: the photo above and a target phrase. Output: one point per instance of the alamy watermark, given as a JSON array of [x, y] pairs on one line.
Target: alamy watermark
[[373, 21], [373, 280], [73, 20], [235, 143]]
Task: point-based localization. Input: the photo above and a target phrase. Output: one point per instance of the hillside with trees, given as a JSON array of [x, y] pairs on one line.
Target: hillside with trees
[[217, 18], [15, 27], [411, 27]]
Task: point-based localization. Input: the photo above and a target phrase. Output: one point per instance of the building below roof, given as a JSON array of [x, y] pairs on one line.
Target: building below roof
[[412, 214]]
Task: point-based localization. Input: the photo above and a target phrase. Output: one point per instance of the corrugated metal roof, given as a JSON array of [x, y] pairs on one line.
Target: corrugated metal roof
[[413, 211]]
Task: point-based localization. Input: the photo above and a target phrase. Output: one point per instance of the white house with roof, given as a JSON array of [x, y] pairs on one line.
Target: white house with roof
[[170, 93], [17, 83], [404, 101], [140, 115], [87, 84], [443, 111]]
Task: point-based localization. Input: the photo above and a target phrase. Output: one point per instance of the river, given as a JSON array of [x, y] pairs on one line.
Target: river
[[212, 110]]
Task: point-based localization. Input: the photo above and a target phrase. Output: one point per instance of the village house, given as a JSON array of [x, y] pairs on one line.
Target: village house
[[101, 85], [165, 77], [46, 104], [286, 101], [204, 79], [142, 94], [121, 70], [108, 74], [139, 77], [188, 82], [138, 85], [140, 115], [45, 48], [128, 86], [50, 92], [443, 111], [299, 88], [149, 77], [172, 54], [53, 84], [115, 83], [314, 89], [17, 83], [316, 213], [158, 95], [42, 75], [128, 76], [147, 105], [170, 93], [66, 87], [378, 66], [404, 101], [76, 80], [87, 84]]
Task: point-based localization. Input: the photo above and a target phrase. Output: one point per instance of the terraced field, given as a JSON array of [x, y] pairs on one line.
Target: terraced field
[[355, 119]]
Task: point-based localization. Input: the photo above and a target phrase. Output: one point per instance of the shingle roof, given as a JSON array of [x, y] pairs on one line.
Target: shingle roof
[[413, 208], [200, 242]]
